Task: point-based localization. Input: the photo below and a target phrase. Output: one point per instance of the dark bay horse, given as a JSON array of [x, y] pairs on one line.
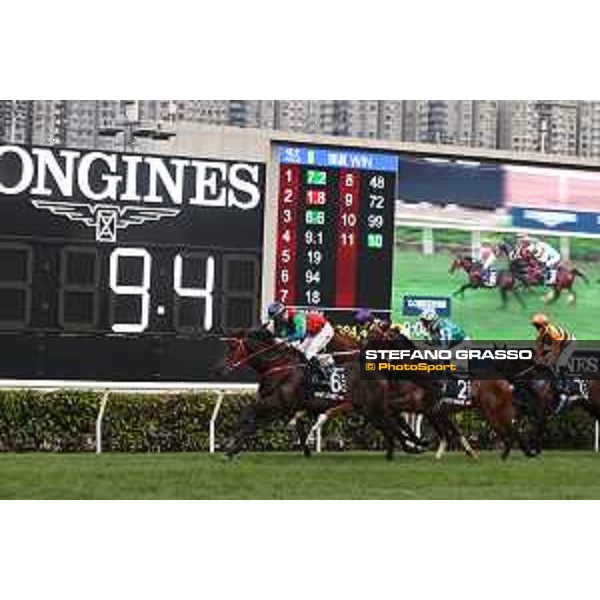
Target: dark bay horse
[[283, 386], [505, 280], [285, 390], [419, 396], [534, 275], [531, 273]]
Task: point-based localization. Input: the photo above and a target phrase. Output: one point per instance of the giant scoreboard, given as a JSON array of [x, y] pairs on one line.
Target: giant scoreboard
[[335, 229], [129, 267], [124, 267]]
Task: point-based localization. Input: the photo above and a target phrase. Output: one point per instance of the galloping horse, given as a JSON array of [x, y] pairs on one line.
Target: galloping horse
[[285, 390], [505, 280], [527, 270], [494, 400], [283, 386], [420, 396]]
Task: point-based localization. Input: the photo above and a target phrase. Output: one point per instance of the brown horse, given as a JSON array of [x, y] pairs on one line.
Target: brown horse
[[415, 397], [530, 272], [373, 397], [285, 389], [505, 281], [534, 275], [494, 400]]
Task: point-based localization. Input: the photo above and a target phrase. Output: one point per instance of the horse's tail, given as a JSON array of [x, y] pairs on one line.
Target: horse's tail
[[578, 272]]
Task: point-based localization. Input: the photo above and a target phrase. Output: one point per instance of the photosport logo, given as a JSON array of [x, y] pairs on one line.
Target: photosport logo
[[510, 360]]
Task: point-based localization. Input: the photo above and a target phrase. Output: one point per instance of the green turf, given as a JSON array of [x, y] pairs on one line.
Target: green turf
[[480, 313], [291, 476]]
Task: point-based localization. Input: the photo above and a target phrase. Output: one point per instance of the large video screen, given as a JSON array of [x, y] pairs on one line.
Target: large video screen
[[484, 206]]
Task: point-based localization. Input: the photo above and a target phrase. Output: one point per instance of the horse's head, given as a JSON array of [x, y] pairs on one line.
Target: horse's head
[[461, 262], [242, 345]]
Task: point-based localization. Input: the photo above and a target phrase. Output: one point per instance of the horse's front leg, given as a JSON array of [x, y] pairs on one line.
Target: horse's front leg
[[301, 433], [461, 290], [344, 406], [247, 427], [258, 413]]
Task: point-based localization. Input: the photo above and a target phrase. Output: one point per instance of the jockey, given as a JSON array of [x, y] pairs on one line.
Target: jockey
[[552, 341], [543, 253], [554, 347], [369, 323], [442, 331], [488, 255], [309, 332]]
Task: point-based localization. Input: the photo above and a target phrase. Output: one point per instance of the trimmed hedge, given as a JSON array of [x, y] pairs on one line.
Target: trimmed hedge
[[64, 421]]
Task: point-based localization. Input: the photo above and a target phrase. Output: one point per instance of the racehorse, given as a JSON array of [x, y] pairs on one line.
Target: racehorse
[[505, 280], [285, 389], [530, 272], [419, 396], [494, 400]]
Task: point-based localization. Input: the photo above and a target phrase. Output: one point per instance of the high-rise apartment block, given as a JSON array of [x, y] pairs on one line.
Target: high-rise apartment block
[[563, 127]]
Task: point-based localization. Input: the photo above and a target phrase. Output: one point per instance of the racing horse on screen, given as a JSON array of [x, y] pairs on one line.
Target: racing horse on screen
[[480, 278]]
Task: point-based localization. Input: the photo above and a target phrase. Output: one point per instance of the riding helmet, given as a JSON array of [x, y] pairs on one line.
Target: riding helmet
[[275, 309]]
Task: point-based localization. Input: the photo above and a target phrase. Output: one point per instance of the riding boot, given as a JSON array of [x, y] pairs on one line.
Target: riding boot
[[316, 368]]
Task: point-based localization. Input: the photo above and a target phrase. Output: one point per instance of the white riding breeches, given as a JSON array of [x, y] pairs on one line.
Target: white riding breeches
[[313, 344]]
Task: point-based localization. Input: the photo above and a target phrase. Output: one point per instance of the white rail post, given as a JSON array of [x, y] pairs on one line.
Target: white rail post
[[428, 243], [475, 243], [565, 247], [213, 420], [318, 440], [597, 437], [99, 418]]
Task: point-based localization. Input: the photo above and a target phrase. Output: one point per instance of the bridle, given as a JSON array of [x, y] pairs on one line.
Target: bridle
[[246, 356]]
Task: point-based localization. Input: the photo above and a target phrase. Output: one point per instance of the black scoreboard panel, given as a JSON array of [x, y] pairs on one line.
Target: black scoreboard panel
[[335, 229], [122, 267]]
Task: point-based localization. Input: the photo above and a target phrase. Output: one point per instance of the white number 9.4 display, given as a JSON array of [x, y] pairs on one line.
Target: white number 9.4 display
[[143, 289], [206, 293], [132, 290]]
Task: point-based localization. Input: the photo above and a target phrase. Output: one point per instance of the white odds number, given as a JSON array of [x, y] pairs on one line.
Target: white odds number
[[143, 288]]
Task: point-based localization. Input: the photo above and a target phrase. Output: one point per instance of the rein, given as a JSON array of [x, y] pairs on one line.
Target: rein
[[248, 357]]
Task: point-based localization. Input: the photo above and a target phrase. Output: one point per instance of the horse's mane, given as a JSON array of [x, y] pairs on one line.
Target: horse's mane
[[263, 336], [260, 334]]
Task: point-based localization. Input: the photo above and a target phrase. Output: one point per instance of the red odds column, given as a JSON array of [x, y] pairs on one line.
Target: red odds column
[[287, 226], [347, 239]]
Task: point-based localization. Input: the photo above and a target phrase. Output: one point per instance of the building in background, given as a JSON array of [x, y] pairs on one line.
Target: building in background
[[588, 129], [561, 127], [518, 126], [557, 124]]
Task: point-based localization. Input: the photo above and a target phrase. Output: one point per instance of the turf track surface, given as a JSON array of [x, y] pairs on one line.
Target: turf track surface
[[290, 476]]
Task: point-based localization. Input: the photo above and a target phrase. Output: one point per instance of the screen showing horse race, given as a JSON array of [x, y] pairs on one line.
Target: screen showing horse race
[[472, 240], [121, 267], [487, 245]]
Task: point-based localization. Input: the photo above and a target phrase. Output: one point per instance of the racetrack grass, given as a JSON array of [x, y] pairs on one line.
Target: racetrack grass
[[480, 311], [554, 475]]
